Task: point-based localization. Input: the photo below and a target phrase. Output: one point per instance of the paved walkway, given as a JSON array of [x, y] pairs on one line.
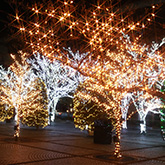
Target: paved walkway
[[62, 144]]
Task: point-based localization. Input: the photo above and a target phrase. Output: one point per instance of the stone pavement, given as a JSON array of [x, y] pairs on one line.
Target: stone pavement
[[62, 144]]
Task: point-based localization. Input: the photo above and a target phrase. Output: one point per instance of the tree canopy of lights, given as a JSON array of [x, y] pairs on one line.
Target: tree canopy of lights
[[20, 89], [60, 80], [44, 25], [48, 26]]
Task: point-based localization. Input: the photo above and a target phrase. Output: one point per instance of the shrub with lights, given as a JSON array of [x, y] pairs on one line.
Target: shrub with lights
[[37, 116], [86, 112], [6, 112]]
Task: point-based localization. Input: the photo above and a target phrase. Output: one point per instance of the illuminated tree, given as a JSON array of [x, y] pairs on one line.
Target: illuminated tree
[[106, 99], [60, 80], [144, 103], [19, 90], [148, 69], [129, 71], [102, 89]]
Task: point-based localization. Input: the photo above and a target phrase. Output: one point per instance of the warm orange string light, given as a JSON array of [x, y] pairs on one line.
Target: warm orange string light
[[46, 26]]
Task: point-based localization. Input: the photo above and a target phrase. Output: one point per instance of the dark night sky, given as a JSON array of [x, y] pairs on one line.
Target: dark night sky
[[4, 10], [4, 56]]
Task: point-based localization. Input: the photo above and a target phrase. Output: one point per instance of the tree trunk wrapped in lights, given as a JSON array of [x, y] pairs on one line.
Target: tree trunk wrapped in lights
[[104, 99], [20, 90], [125, 103]]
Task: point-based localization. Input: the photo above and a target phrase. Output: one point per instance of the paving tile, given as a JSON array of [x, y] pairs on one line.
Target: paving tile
[[72, 161], [149, 162], [62, 144], [153, 152], [88, 143], [67, 149], [109, 157], [126, 146], [13, 153]]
